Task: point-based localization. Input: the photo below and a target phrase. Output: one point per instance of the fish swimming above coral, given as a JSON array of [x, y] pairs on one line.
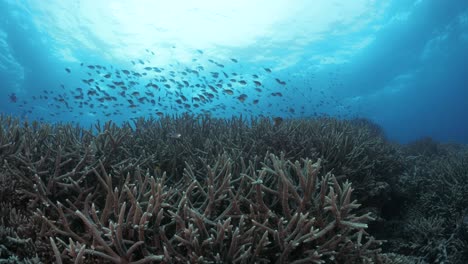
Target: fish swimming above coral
[[174, 135], [13, 98]]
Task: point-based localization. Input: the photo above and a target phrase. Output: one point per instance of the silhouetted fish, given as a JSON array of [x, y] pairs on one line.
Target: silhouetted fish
[[13, 98]]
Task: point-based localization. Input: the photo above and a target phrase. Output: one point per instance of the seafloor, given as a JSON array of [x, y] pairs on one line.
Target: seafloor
[[195, 189]]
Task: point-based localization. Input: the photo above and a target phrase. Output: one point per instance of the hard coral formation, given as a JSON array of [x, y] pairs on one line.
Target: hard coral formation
[[235, 190], [434, 185], [282, 213]]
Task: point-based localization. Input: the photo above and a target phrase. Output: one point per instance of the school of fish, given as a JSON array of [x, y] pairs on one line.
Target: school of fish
[[146, 89]]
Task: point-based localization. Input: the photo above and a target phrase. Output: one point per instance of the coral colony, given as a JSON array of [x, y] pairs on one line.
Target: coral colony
[[195, 189]]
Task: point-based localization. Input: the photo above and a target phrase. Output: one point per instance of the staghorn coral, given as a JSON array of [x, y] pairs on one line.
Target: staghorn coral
[[59, 171], [433, 192], [284, 213], [16, 236]]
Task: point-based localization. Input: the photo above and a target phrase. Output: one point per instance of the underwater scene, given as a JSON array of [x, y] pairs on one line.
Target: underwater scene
[[248, 131]]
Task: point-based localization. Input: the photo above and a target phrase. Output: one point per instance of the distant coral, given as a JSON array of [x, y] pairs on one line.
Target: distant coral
[[434, 188]]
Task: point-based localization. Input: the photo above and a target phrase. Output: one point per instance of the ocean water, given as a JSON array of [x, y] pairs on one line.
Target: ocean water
[[402, 64]]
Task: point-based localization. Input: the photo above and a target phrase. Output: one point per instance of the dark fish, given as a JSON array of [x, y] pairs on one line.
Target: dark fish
[[277, 121], [68, 70], [257, 83], [213, 89], [107, 75], [267, 70], [234, 60], [255, 101], [13, 98], [242, 82], [280, 82], [242, 97], [229, 92]]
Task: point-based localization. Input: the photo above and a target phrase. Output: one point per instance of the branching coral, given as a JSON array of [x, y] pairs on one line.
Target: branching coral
[[283, 213], [101, 194]]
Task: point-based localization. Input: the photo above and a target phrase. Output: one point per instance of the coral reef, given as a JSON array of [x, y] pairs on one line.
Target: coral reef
[[432, 218], [282, 213], [228, 191], [132, 193]]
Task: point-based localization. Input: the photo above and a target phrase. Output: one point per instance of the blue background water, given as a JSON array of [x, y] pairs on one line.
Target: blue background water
[[402, 64]]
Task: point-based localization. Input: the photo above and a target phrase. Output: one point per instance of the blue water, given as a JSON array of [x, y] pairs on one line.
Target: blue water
[[402, 64]]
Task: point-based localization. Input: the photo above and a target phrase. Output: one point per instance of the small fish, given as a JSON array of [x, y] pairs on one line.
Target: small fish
[[174, 135], [228, 91], [13, 98], [280, 82], [267, 70], [234, 60], [277, 121], [68, 70], [242, 98]]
